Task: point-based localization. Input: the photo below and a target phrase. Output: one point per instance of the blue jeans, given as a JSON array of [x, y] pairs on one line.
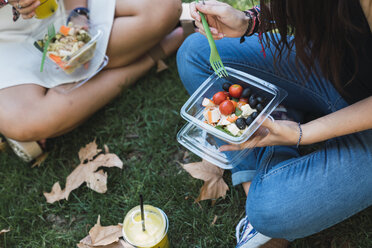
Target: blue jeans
[[291, 196]]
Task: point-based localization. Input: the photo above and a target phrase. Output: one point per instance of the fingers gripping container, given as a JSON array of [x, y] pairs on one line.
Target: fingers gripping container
[[205, 140], [76, 69]]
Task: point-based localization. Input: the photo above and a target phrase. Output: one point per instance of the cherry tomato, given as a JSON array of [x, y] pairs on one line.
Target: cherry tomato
[[227, 107], [236, 90], [219, 97], [234, 103]]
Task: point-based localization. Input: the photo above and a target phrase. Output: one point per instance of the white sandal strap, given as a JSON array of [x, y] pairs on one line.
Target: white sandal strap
[[27, 151]]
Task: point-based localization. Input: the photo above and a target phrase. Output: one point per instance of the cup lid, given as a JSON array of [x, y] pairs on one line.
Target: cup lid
[[156, 224]]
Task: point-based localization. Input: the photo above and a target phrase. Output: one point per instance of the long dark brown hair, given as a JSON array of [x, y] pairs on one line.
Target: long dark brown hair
[[322, 31]]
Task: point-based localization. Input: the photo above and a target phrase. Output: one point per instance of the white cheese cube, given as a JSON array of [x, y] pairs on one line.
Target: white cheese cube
[[208, 103], [232, 128], [247, 110]]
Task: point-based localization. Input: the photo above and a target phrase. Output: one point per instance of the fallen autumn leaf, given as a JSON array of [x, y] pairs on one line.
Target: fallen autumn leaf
[[87, 172], [39, 160], [214, 186], [2, 145], [104, 236], [89, 151]]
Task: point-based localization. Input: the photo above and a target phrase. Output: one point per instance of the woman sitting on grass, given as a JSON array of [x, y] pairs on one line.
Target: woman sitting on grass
[[137, 34], [321, 54]]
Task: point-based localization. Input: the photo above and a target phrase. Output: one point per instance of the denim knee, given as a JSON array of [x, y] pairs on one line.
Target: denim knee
[[269, 219]]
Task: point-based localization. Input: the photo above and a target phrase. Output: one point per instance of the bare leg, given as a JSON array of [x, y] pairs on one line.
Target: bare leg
[[30, 112], [139, 27]]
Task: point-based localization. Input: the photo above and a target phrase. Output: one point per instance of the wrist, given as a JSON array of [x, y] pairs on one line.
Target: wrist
[[253, 22], [300, 134], [78, 12], [306, 134], [245, 22]]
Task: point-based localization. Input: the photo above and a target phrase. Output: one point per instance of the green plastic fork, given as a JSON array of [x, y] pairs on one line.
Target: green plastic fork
[[214, 58]]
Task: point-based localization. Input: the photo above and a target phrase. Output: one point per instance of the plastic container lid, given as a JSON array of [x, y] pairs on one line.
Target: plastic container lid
[[206, 146], [205, 140]]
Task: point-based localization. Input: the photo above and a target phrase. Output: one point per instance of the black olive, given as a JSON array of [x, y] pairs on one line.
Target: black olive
[[259, 107], [254, 115], [249, 120], [260, 99], [246, 93], [226, 87], [253, 101], [240, 123]]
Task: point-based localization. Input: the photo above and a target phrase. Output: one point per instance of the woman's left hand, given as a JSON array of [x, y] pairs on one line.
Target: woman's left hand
[[270, 133]]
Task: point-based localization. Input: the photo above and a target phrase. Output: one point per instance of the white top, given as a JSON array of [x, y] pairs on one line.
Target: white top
[[20, 61]]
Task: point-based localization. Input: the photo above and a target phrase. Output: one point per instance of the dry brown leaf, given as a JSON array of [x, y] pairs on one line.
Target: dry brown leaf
[[89, 151], [56, 194], [97, 181], [120, 244], [2, 145], [39, 160], [84, 173], [107, 237], [214, 185], [4, 231], [203, 170], [87, 238]]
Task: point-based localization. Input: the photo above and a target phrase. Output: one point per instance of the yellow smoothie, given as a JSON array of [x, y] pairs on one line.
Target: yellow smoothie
[[155, 235], [46, 8]]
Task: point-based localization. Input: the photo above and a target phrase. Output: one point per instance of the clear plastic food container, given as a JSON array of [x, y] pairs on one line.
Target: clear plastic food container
[[205, 140], [79, 58], [77, 68]]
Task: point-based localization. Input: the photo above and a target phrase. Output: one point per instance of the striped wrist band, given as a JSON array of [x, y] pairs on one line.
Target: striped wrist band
[[300, 136]]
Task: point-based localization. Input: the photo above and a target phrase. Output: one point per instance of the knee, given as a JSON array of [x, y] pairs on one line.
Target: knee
[[22, 125], [169, 10], [163, 15], [271, 216]]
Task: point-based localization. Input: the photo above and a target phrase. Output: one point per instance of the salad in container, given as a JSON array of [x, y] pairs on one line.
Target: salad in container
[[70, 48], [226, 111]]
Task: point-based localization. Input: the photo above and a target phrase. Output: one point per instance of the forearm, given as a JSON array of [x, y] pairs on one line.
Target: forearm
[[72, 4], [354, 118]]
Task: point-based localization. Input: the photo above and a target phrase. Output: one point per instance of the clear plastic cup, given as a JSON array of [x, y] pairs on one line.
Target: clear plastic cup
[[205, 140], [156, 223]]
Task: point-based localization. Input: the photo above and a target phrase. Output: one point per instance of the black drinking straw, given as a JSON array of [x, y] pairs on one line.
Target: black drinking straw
[[142, 214]]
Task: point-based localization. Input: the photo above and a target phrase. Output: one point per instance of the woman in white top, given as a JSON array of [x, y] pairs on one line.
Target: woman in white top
[[30, 110]]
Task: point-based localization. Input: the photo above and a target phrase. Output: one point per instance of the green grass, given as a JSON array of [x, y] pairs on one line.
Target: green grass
[[150, 109]]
